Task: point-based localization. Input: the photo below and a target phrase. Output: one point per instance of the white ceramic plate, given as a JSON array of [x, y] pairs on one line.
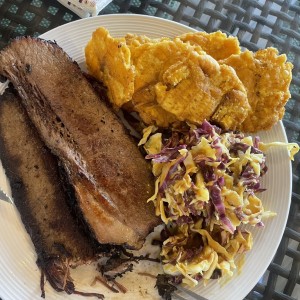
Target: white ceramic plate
[[19, 276]]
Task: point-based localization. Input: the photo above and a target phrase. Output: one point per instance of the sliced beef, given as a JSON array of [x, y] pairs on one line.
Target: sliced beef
[[112, 181], [58, 237]]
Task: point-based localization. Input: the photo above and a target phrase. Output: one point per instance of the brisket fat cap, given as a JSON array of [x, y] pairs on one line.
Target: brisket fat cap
[[111, 179]]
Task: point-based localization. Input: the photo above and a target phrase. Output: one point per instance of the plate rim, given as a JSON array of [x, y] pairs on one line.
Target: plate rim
[[109, 16]]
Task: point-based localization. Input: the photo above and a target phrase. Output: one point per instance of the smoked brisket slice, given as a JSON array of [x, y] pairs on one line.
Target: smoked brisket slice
[[38, 194], [111, 179]]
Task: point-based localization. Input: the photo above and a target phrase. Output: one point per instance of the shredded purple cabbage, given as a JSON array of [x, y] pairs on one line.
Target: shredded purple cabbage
[[238, 146], [250, 180], [216, 145], [263, 168], [188, 196], [256, 142], [207, 171], [215, 196], [169, 179], [166, 154], [221, 181], [173, 141], [207, 128], [260, 224], [239, 213]]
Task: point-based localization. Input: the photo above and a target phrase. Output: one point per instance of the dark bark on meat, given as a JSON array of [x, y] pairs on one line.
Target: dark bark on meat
[[39, 197], [164, 286], [111, 179]]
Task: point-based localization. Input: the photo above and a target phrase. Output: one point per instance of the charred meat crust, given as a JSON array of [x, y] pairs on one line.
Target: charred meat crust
[[38, 195], [42, 180], [111, 179]]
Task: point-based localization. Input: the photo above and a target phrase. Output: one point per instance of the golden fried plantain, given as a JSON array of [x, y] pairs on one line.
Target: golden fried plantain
[[144, 102], [192, 77], [108, 60], [215, 44], [188, 84], [266, 77], [195, 85], [134, 40]]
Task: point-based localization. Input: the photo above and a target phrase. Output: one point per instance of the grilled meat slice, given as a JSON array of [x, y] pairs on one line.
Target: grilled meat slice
[[111, 179], [39, 196]]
